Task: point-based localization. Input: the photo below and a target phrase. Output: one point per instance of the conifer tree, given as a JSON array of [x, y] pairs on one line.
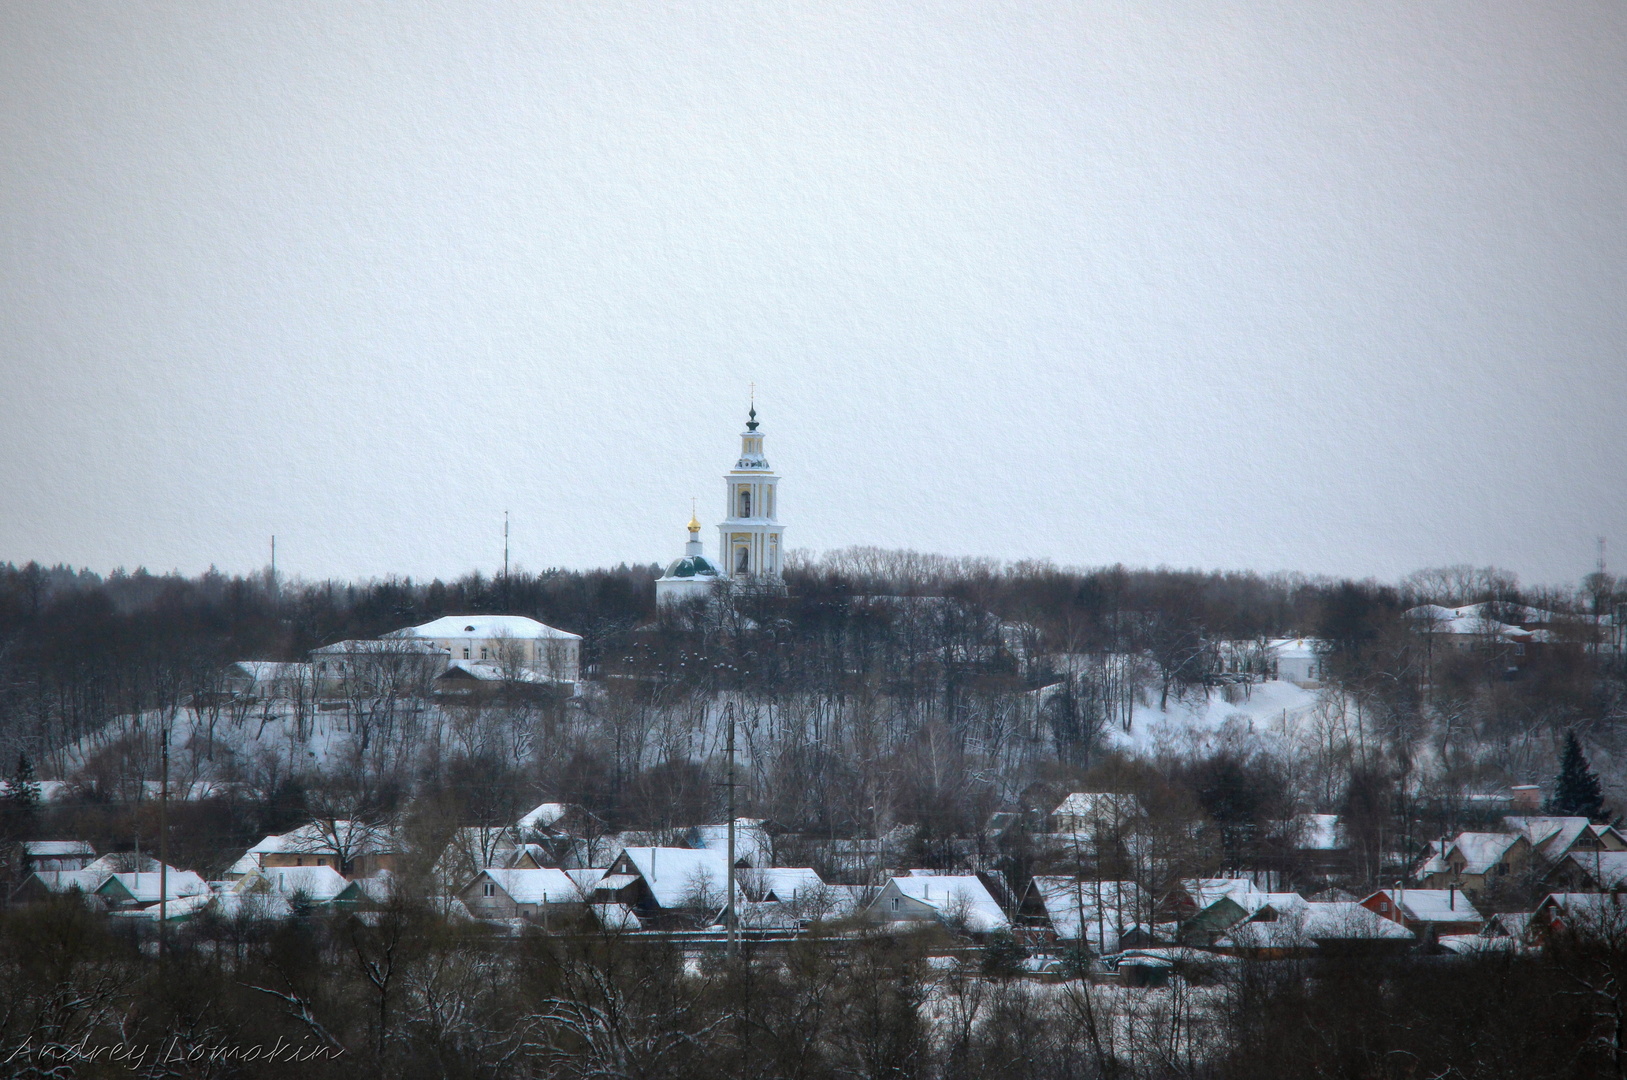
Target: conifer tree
[[1576, 788]]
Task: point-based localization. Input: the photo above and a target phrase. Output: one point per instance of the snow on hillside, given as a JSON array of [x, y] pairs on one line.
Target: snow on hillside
[[1272, 710]]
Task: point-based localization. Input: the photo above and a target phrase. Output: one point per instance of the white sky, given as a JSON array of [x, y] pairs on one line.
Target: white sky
[[1336, 287]]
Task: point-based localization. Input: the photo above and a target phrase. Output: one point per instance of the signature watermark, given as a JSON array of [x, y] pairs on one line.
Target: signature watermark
[[135, 1056]]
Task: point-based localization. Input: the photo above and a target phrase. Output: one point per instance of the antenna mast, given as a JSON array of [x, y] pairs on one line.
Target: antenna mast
[[505, 562]]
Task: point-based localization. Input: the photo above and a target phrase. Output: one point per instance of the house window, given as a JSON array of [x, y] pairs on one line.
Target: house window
[[490, 890], [895, 903], [485, 653], [466, 652]]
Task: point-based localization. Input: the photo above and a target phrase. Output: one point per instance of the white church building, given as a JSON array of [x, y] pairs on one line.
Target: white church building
[[751, 540]]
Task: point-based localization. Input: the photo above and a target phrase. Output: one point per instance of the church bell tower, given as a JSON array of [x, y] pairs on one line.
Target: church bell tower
[[751, 540]]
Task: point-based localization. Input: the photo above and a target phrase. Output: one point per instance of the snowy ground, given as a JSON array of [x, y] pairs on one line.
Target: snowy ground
[[1271, 711]]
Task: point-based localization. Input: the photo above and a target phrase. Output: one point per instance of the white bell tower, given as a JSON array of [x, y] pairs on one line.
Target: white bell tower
[[751, 540]]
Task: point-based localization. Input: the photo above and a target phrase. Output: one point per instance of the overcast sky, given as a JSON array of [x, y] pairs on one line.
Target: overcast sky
[[1335, 287]]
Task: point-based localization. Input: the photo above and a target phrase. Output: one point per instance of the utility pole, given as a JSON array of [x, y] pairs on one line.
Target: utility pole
[[163, 839], [505, 563], [729, 919]]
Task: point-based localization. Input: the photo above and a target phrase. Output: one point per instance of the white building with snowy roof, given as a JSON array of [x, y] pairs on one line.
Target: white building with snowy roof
[[512, 641], [1296, 660]]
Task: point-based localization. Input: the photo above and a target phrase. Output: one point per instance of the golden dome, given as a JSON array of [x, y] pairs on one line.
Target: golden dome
[[694, 523]]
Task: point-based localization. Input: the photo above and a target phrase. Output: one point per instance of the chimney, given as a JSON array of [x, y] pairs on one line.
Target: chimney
[[1451, 896]]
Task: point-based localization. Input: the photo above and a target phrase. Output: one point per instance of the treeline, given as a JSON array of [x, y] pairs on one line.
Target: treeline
[[882, 689], [403, 993]]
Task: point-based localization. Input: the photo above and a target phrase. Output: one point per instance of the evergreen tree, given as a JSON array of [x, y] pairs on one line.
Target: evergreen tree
[[1576, 789], [22, 789]]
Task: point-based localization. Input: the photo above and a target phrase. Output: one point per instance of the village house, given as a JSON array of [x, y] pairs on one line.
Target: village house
[[135, 889], [1601, 917], [1337, 928], [1474, 861], [1096, 913], [545, 895], [958, 900], [1553, 838], [1589, 871], [1296, 660], [51, 855], [1428, 913], [313, 885], [667, 881], [1092, 812], [353, 848], [44, 884]]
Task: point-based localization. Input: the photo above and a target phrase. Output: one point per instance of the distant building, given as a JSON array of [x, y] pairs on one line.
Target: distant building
[[751, 540], [690, 577], [1429, 913], [54, 855], [510, 641], [953, 899], [1297, 660]]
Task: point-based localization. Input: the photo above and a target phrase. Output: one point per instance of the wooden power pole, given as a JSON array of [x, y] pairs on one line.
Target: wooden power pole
[[729, 919]]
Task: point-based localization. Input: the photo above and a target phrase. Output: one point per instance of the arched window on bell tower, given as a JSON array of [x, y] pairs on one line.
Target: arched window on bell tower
[[745, 502], [742, 560]]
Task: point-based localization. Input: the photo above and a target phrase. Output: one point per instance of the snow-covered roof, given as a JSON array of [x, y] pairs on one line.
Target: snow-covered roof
[[751, 840], [679, 877], [483, 626], [951, 895], [1296, 648], [178, 907], [543, 815], [268, 671], [546, 886], [1434, 905], [144, 887], [314, 838], [1468, 620], [375, 647], [1608, 869], [785, 883], [491, 671], [1508, 924], [1242, 891], [257, 904], [1104, 806], [318, 883], [1307, 923], [57, 849], [1552, 836], [1069, 903], [61, 881], [586, 878], [1481, 851], [765, 915], [689, 567], [617, 917]]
